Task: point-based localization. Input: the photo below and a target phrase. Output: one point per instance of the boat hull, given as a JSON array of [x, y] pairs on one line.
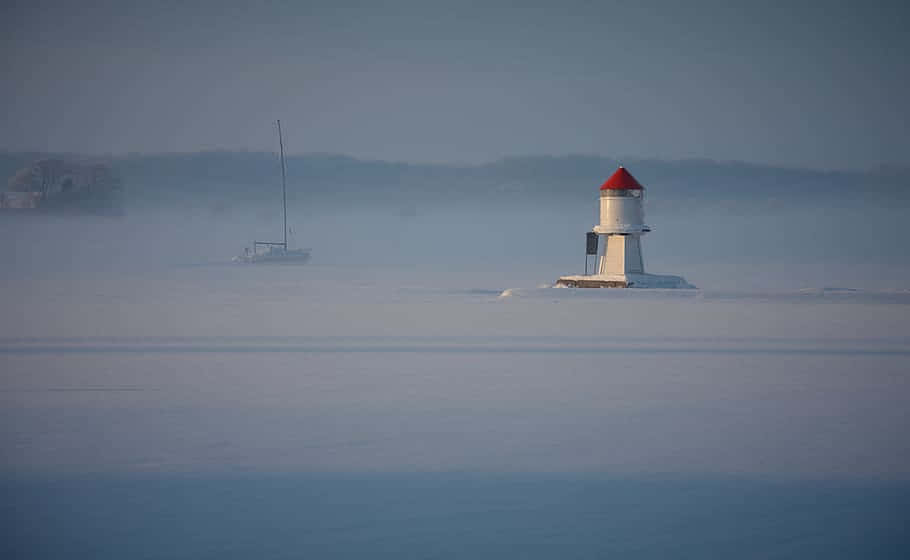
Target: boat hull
[[275, 257]]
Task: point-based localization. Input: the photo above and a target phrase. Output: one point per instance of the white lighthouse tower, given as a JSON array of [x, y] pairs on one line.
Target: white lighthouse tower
[[619, 262]]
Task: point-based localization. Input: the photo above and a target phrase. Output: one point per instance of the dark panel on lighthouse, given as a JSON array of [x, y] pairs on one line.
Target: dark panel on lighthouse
[[591, 246]]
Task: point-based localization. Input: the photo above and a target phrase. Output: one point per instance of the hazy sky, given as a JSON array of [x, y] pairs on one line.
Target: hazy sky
[[821, 84]]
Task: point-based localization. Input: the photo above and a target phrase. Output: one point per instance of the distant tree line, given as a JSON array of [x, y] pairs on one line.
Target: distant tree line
[[248, 177]]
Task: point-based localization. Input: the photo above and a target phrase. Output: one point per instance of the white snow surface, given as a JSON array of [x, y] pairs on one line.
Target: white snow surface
[[116, 359]]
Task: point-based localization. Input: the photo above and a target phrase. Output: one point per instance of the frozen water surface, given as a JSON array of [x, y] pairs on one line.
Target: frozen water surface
[[157, 402]]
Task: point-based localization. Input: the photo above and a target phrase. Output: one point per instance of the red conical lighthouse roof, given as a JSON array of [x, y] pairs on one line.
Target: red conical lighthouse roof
[[621, 179]]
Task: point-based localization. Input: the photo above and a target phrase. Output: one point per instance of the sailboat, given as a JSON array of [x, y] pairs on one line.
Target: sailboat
[[276, 252]]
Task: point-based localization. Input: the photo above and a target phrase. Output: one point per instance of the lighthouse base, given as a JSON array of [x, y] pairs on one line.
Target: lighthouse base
[[628, 280]]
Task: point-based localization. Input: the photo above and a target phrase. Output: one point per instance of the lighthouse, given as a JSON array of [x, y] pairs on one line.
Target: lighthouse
[[619, 262]]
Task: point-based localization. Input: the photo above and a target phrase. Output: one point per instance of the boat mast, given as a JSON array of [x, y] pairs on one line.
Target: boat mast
[[284, 188]]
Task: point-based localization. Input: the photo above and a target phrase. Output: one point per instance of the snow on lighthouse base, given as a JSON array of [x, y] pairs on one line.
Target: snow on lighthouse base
[[628, 280]]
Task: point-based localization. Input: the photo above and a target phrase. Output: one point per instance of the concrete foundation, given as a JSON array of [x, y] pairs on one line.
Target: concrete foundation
[[658, 281]]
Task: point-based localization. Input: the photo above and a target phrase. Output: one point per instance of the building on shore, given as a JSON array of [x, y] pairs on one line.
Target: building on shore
[[59, 185]]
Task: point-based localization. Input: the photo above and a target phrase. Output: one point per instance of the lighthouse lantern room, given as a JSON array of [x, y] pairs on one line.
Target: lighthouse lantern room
[[622, 223]]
